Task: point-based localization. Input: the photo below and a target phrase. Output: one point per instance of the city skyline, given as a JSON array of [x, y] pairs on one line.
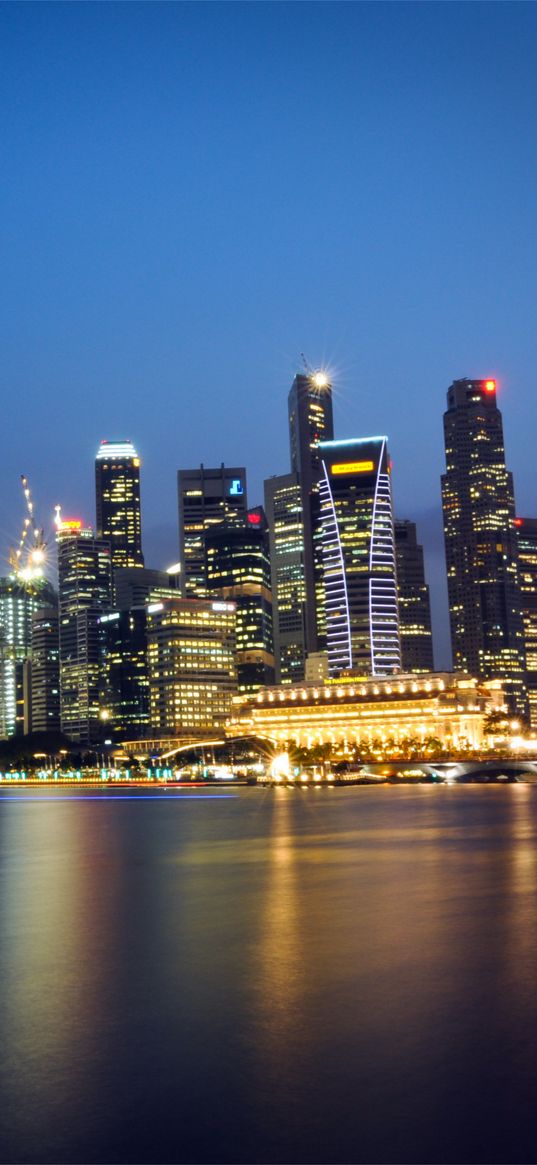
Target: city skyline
[[180, 299]]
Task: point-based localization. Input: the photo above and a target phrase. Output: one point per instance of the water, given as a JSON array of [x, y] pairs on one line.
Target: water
[[344, 975]]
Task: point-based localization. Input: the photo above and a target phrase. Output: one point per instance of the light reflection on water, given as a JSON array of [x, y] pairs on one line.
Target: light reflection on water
[[331, 975]]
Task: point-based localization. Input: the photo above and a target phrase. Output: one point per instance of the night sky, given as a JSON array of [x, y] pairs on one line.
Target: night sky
[[193, 195]]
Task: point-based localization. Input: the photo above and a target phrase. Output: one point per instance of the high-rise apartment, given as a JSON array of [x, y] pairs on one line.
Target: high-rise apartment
[[117, 496], [207, 497], [526, 529], [238, 569], [310, 422], [414, 604], [85, 590], [360, 580], [191, 657], [487, 634], [283, 507]]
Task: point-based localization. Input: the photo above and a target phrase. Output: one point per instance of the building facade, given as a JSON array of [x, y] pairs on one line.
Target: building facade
[[85, 592], [44, 677], [19, 600], [238, 569], [191, 659], [414, 603], [310, 422], [526, 529], [124, 674], [447, 708], [360, 580], [283, 507], [207, 497], [117, 498], [487, 634]]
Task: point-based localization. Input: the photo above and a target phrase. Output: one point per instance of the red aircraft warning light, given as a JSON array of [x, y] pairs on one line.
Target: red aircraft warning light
[[518, 521], [490, 386]]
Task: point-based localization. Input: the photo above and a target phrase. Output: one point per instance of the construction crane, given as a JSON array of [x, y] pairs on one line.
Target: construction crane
[[28, 559]]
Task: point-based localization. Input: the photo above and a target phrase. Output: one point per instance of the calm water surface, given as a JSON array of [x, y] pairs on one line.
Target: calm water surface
[[322, 976]]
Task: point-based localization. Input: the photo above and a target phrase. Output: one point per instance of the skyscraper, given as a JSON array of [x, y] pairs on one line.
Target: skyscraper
[[414, 605], [207, 497], [191, 656], [85, 588], [45, 670], [283, 507], [360, 580], [124, 679], [117, 496], [20, 598], [310, 422], [238, 569], [487, 635], [526, 529]]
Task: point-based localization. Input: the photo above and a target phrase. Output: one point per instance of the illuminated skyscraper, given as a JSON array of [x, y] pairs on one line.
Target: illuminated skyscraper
[[85, 588], [20, 599], [487, 635], [526, 529], [283, 507], [207, 497], [238, 568], [191, 656], [414, 606], [360, 581], [310, 422], [117, 495]]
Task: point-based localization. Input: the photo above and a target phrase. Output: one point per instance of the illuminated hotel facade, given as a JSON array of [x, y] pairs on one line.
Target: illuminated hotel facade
[[526, 529], [191, 666], [117, 499], [447, 708], [207, 497], [359, 565], [487, 634]]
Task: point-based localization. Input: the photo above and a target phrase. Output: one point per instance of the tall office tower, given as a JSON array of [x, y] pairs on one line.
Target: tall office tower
[[487, 635], [45, 670], [360, 579], [206, 498], [526, 529], [310, 422], [124, 678], [283, 507], [117, 496], [191, 656], [85, 589], [238, 569], [19, 599], [414, 605]]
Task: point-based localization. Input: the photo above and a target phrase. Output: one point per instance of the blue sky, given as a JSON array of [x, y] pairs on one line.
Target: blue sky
[[193, 195]]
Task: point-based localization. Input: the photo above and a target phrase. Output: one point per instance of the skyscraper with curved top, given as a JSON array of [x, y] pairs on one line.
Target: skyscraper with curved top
[[117, 497], [360, 579]]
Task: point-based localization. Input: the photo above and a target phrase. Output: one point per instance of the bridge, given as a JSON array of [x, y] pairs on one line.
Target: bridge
[[456, 772]]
